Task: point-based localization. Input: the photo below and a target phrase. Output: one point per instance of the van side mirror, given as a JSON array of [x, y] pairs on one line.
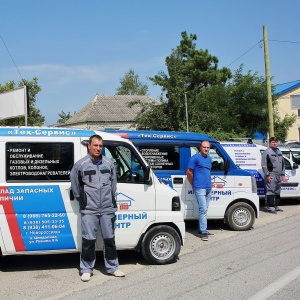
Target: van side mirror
[[227, 166], [295, 166], [148, 179]]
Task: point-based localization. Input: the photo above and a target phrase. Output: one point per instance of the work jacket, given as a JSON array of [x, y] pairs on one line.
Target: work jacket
[[272, 162], [94, 185]]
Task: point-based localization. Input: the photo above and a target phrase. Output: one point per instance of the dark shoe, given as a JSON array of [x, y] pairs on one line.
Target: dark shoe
[[278, 209], [204, 237], [208, 233], [272, 211]]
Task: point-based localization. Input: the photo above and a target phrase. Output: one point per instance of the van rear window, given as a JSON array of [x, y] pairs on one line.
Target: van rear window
[[39, 161]]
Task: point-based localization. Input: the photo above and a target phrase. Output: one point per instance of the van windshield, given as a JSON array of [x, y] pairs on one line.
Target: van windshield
[[128, 167]]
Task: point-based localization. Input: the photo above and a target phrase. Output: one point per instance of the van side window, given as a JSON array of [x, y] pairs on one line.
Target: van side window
[[287, 164], [128, 167], [161, 157], [29, 161], [216, 157]]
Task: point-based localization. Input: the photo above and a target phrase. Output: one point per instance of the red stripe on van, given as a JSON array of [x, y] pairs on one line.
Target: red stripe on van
[[11, 218]]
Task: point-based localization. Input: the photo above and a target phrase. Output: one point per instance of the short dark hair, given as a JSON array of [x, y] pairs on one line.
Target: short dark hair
[[204, 141], [95, 136], [273, 139]]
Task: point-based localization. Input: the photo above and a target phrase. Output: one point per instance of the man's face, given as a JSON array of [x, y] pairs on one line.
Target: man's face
[[273, 144], [204, 148], [95, 148]]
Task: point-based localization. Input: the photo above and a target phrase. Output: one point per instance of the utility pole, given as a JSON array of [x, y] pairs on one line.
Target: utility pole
[[268, 81]]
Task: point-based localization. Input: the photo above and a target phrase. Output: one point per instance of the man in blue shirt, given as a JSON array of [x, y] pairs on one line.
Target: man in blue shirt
[[199, 175]]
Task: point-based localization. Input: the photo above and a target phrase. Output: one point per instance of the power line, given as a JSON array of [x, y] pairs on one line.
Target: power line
[[11, 57], [245, 53], [291, 42]]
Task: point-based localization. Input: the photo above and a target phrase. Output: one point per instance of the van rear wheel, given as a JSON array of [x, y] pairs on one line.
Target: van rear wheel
[[161, 245], [240, 216]]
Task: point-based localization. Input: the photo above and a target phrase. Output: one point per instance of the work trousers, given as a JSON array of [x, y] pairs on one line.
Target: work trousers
[[89, 226], [273, 189]]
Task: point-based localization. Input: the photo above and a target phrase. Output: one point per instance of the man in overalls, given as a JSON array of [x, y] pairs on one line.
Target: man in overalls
[[272, 164], [93, 183]]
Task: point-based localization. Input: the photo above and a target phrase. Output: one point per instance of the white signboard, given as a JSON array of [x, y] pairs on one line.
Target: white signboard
[[13, 103]]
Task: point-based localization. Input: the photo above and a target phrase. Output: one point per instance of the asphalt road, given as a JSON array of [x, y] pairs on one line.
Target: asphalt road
[[262, 263]]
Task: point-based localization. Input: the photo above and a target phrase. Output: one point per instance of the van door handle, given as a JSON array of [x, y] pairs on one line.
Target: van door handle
[[177, 180]]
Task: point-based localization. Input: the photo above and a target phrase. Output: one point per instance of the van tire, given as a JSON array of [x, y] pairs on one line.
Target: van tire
[[161, 245], [240, 216]]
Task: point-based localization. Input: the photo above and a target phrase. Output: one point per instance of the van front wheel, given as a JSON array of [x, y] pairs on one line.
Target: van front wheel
[[240, 216], [161, 245]]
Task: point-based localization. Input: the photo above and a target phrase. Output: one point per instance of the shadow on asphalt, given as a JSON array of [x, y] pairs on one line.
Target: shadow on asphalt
[[192, 225], [71, 260], [19, 263]]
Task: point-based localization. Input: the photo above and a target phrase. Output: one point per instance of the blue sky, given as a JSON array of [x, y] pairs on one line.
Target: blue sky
[[78, 49]]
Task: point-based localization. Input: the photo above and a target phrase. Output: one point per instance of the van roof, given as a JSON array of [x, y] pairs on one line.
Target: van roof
[[162, 135], [34, 132], [242, 144]]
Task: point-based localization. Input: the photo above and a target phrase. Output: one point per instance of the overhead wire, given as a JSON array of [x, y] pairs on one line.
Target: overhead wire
[[244, 53], [11, 57], [259, 43]]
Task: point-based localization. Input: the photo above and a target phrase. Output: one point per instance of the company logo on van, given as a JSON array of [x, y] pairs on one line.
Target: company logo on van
[[44, 132], [123, 201], [157, 136], [218, 182]]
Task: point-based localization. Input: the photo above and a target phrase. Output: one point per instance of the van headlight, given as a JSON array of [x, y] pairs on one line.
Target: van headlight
[[254, 185]]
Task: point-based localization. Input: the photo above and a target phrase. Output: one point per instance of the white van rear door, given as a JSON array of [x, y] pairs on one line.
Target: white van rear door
[[291, 187]]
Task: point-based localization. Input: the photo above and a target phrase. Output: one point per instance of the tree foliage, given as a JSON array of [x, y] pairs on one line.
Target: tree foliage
[[281, 127], [248, 102], [188, 71], [131, 85], [34, 117], [218, 103], [63, 117]]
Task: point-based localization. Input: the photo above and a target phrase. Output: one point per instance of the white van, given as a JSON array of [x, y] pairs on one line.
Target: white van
[[234, 194], [38, 213], [291, 153], [248, 157]]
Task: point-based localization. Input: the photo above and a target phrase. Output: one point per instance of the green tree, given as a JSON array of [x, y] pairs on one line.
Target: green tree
[[131, 85], [189, 71], [282, 126], [63, 117], [248, 102], [34, 117], [152, 115]]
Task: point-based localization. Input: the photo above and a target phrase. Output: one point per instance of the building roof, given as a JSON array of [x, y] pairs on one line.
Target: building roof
[[286, 87], [109, 108]]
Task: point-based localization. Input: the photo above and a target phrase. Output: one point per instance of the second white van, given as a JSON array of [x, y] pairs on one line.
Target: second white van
[[248, 157]]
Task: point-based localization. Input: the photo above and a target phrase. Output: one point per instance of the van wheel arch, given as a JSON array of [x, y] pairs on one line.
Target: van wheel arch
[[161, 244], [240, 216]]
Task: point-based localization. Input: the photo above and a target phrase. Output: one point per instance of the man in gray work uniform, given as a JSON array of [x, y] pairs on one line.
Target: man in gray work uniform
[[272, 163], [93, 183]]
